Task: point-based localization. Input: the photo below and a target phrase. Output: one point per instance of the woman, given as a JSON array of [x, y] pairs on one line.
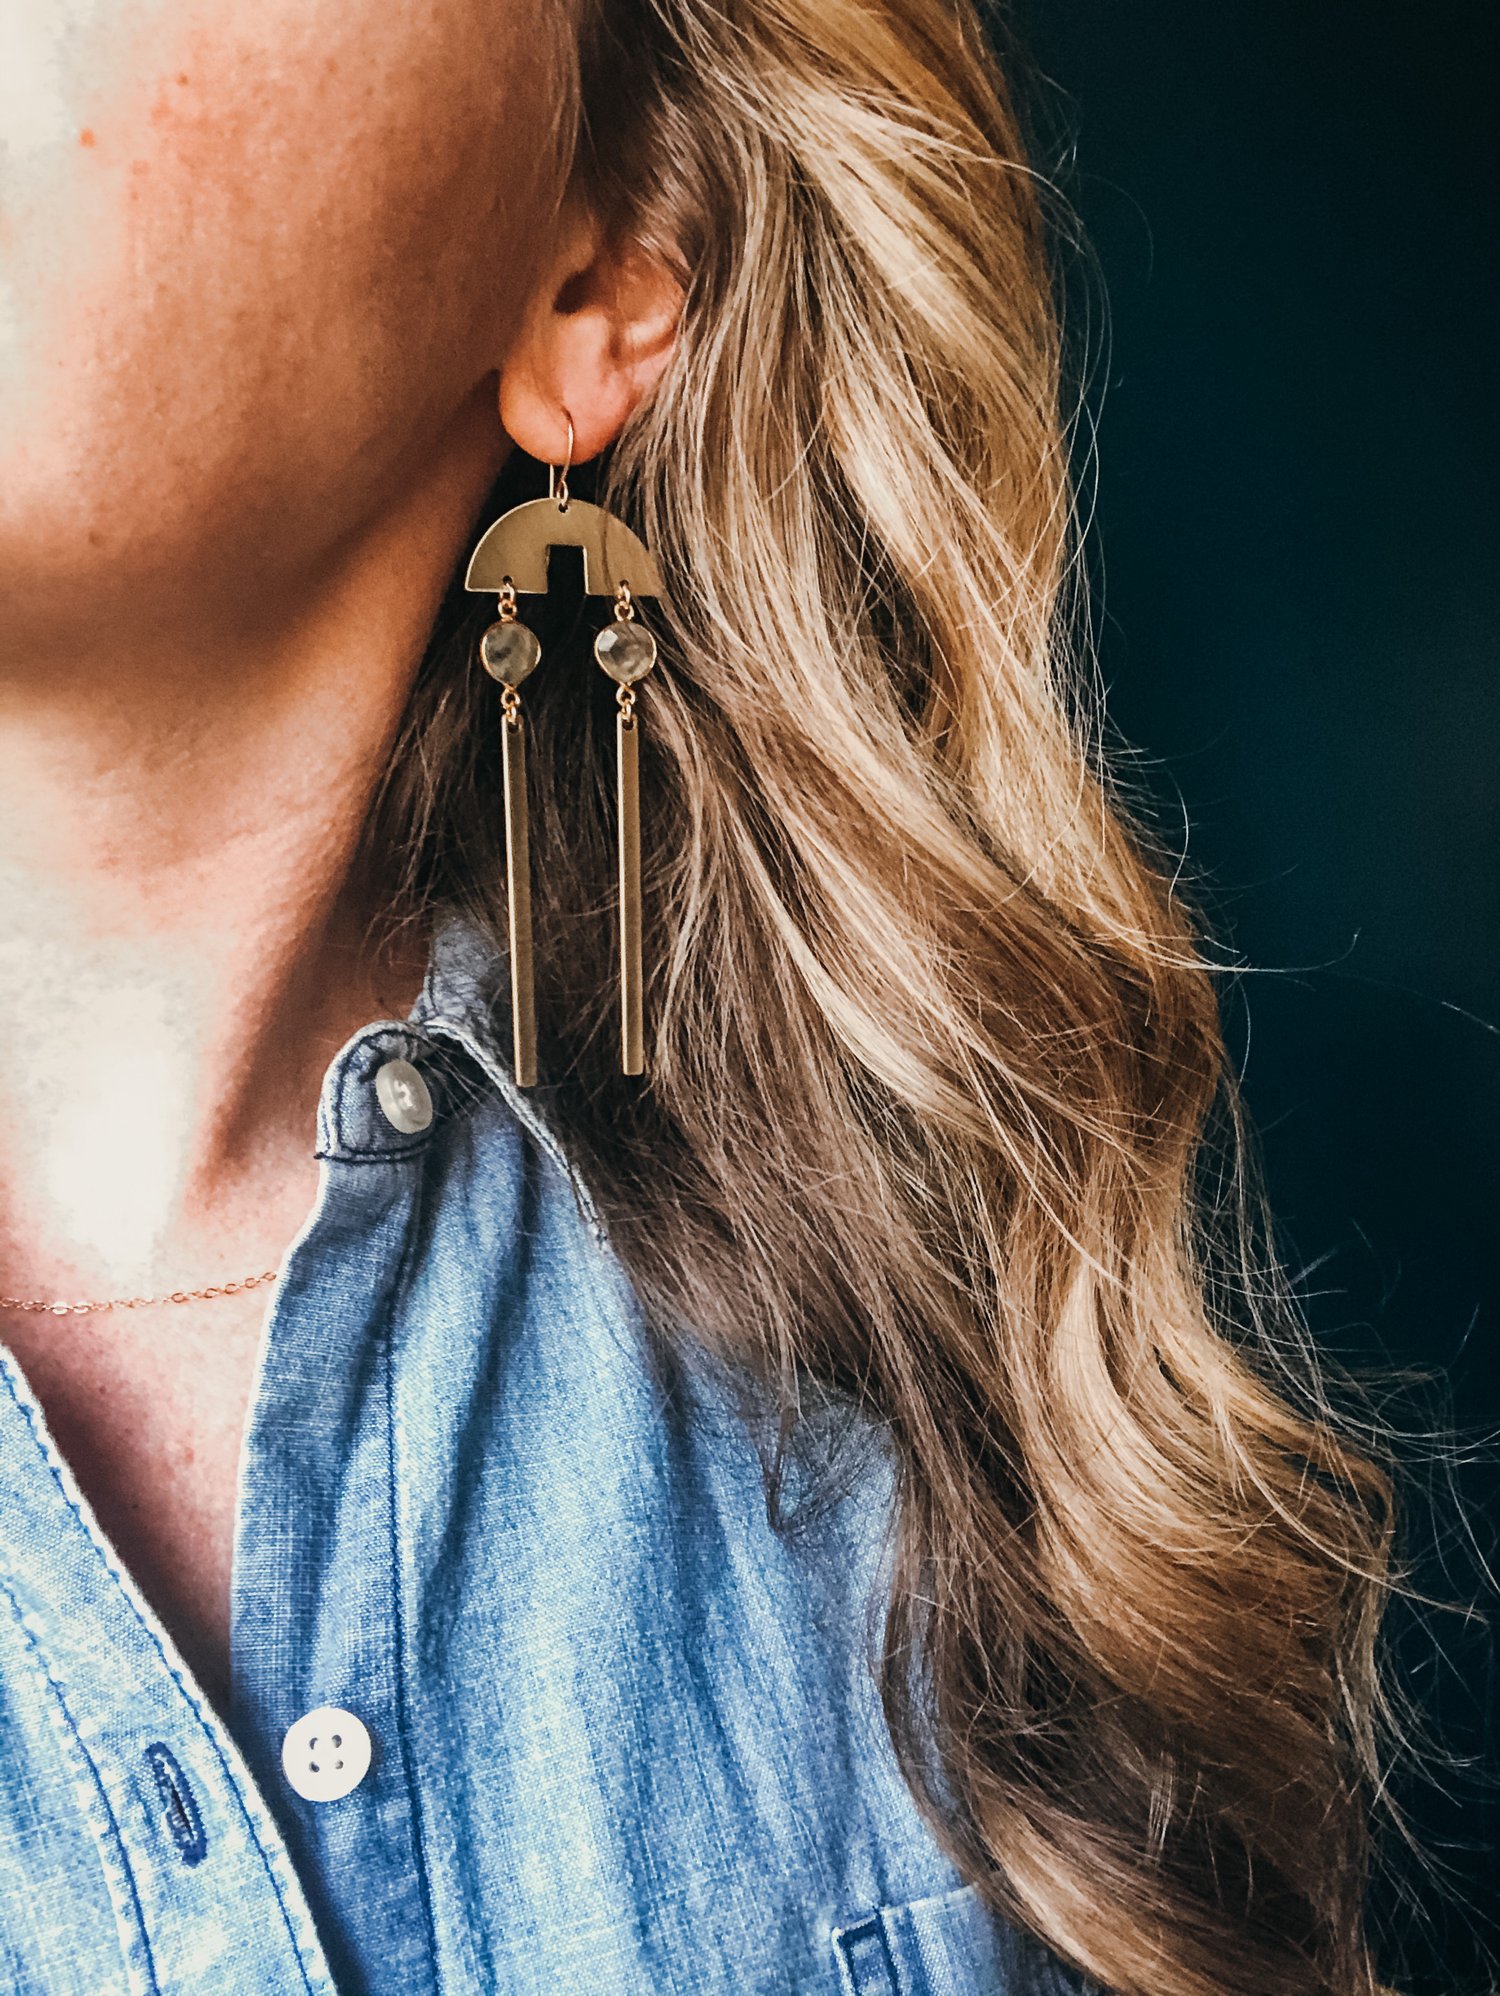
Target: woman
[[820, 1515]]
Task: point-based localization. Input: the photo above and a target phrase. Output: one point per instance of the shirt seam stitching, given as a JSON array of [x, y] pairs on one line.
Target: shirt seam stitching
[[55, 1687], [526, 1114], [398, 1617], [347, 1154]]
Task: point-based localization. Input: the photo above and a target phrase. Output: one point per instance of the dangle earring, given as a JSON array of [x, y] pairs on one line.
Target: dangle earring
[[627, 654], [510, 559], [510, 652]]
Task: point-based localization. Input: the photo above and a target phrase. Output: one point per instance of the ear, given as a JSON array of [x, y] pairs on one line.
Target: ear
[[597, 330]]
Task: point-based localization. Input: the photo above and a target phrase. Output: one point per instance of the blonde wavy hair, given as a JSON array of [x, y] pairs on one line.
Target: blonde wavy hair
[[935, 1050]]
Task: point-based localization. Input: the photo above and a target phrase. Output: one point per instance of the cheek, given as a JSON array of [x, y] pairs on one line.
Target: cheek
[[252, 257]]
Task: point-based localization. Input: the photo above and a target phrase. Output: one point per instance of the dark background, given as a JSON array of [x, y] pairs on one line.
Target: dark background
[[1290, 206]]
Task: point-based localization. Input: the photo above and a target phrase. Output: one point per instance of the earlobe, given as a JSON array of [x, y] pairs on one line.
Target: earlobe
[[594, 341]]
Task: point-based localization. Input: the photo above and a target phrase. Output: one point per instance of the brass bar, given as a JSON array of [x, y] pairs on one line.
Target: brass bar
[[518, 897], [632, 1031]]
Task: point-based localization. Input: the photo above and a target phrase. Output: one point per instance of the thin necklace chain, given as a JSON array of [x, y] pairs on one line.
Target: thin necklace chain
[[42, 1306]]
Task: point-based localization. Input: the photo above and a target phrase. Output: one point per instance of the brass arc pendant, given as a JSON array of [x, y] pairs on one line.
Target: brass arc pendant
[[518, 543]]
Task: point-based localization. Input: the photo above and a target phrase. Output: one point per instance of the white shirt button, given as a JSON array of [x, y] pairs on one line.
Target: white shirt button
[[403, 1096], [326, 1753]]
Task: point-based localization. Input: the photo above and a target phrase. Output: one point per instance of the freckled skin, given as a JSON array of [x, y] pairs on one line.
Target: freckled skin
[[257, 260], [259, 265]]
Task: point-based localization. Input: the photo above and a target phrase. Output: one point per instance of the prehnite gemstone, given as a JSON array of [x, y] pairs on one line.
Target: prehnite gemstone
[[509, 652], [626, 652]]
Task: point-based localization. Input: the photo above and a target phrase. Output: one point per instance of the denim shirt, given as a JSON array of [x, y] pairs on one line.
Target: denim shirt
[[624, 1736]]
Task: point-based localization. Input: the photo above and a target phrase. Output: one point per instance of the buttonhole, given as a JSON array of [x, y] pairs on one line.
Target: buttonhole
[[178, 1804]]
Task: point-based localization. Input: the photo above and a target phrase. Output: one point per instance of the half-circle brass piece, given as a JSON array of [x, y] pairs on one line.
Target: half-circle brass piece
[[517, 544]]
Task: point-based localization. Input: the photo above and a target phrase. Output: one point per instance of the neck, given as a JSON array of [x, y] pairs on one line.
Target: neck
[[188, 935]]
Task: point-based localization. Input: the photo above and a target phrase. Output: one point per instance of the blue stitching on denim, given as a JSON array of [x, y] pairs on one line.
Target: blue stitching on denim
[[155, 1640], [527, 1116], [89, 1762], [346, 1154], [865, 1957], [399, 1665], [179, 1804]]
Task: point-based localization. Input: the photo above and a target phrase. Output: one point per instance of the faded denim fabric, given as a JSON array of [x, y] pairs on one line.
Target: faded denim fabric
[[626, 1742]]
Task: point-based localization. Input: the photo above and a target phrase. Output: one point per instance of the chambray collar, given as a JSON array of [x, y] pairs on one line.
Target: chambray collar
[[464, 1006], [466, 985]]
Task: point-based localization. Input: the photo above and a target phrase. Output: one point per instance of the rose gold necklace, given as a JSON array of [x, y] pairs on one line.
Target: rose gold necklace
[[41, 1306]]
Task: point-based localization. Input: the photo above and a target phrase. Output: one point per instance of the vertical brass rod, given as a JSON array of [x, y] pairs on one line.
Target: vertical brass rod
[[632, 1031], [518, 897]]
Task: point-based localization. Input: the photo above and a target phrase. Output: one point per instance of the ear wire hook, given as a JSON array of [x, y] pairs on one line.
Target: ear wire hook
[[557, 488]]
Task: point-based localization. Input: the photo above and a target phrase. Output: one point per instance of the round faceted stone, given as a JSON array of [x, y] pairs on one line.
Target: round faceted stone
[[626, 652], [509, 652]]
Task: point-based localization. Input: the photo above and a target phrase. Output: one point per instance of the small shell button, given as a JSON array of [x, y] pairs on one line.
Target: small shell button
[[404, 1097], [326, 1754]]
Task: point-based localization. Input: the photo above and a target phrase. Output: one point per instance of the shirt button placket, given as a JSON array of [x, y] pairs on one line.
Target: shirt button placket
[[317, 1592]]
